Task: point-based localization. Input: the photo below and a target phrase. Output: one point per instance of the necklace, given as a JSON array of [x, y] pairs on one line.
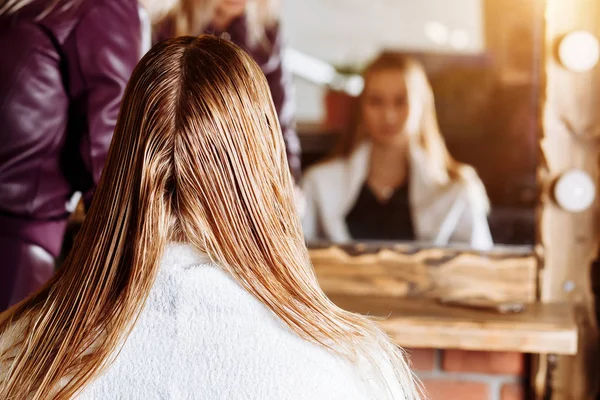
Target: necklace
[[386, 192], [383, 193]]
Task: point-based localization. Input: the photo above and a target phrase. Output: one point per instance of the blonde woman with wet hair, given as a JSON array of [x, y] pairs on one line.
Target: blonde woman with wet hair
[[190, 277], [392, 177]]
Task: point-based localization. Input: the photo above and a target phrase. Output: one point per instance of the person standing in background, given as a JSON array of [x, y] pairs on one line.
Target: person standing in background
[[60, 94], [253, 25]]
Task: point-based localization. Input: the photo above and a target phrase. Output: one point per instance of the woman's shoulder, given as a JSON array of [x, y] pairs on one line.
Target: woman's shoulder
[[466, 187], [208, 325], [10, 341], [325, 170], [13, 333], [472, 188]]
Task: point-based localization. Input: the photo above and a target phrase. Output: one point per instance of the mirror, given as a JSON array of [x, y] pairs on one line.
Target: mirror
[[438, 143]]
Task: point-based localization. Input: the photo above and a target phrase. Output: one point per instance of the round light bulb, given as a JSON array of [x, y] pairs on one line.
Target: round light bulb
[[459, 39], [575, 191], [579, 51], [437, 32]]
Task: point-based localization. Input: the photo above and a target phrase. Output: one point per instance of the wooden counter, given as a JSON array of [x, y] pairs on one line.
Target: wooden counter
[[541, 328]]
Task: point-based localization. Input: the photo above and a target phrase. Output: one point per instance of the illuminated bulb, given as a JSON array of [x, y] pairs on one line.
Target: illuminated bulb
[[575, 191], [437, 32], [579, 51], [354, 85], [459, 39]]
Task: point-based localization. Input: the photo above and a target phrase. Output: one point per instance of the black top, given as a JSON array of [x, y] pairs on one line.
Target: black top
[[371, 219]]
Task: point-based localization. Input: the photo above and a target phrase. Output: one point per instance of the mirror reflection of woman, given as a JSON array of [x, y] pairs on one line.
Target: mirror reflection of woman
[[190, 277], [393, 177]]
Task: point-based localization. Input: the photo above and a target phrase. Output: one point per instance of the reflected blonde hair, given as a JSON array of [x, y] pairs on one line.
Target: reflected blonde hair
[[197, 157], [191, 17]]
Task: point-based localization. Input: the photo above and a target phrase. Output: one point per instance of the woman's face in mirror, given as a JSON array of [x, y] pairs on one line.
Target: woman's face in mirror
[[385, 106], [231, 8]]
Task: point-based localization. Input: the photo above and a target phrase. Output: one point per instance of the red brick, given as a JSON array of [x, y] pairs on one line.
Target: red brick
[[512, 391], [483, 362], [452, 389], [421, 359]]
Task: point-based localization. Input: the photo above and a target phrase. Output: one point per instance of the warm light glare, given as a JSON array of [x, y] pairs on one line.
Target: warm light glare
[[320, 72], [575, 191], [459, 39], [579, 51], [354, 85], [437, 32], [308, 67]]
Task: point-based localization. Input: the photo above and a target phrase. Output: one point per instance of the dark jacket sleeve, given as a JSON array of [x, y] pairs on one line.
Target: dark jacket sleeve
[[280, 83], [106, 46]]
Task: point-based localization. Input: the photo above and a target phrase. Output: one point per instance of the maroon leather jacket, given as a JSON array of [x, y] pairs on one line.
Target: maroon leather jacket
[[62, 79], [270, 60]]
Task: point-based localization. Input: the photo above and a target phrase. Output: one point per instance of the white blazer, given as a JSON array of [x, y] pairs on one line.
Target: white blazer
[[202, 336], [453, 214]]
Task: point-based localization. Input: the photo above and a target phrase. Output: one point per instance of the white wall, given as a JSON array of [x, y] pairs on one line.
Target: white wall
[[349, 32]]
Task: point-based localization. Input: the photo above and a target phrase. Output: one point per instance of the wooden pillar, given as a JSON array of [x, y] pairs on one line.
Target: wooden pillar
[[569, 241]]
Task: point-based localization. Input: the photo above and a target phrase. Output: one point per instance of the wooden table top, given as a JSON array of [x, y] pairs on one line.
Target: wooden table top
[[541, 328]]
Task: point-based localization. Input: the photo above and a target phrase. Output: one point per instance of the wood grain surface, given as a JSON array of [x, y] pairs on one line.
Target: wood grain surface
[[402, 271], [541, 328]]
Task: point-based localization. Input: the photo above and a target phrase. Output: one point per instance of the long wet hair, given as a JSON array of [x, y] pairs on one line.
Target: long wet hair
[[197, 157], [422, 123]]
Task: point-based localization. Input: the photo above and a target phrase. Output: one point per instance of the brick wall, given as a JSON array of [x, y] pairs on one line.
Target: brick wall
[[470, 375]]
